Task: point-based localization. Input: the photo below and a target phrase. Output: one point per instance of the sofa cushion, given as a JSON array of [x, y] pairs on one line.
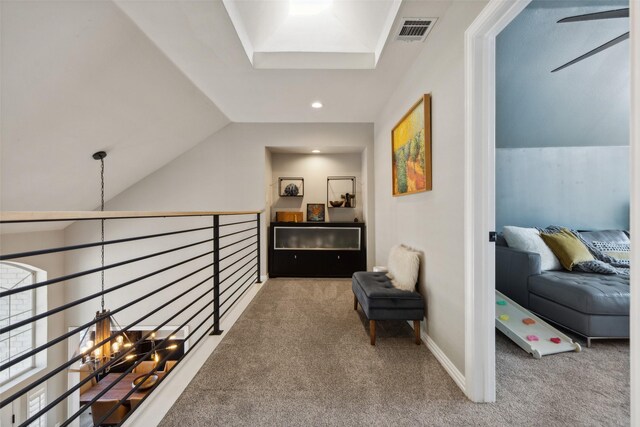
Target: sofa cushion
[[567, 247], [609, 236], [374, 290], [585, 292], [529, 240]]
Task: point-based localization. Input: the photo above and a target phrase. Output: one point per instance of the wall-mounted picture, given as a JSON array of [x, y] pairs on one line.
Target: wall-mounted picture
[[315, 212], [411, 150], [291, 186]]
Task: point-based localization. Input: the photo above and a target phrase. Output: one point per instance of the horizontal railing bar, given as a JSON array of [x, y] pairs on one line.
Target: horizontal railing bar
[[131, 368], [45, 216], [14, 315], [239, 287], [239, 268], [236, 223], [88, 324], [97, 269], [90, 245], [239, 278], [236, 300], [154, 369], [237, 241], [163, 360], [104, 367], [95, 295], [236, 252], [191, 347], [238, 232], [237, 261]]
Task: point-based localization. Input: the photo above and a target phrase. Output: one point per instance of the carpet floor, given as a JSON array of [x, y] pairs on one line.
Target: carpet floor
[[299, 355]]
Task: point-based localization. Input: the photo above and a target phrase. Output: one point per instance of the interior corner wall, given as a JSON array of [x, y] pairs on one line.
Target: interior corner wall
[[316, 168], [53, 264], [562, 138], [433, 221], [225, 172]]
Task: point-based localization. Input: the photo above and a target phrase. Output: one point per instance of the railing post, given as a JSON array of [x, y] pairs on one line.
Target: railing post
[[258, 246], [216, 276]]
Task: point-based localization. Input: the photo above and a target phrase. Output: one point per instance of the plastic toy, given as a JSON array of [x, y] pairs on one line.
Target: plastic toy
[[501, 302], [538, 338]]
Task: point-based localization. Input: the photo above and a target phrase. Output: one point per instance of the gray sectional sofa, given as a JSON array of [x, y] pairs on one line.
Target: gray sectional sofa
[[592, 305]]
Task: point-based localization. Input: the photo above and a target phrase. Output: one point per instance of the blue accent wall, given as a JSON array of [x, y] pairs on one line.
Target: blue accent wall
[[562, 138]]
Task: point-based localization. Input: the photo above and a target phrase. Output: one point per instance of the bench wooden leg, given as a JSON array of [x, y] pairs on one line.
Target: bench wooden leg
[[355, 302], [372, 331], [416, 329]]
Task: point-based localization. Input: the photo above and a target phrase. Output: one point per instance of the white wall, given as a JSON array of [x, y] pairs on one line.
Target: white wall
[[53, 264], [225, 172], [315, 168], [432, 221]]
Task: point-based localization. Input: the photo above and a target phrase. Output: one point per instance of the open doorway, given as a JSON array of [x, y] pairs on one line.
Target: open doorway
[[480, 198], [562, 204]]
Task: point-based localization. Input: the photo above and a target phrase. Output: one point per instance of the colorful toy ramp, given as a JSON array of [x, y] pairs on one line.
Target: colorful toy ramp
[[531, 333]]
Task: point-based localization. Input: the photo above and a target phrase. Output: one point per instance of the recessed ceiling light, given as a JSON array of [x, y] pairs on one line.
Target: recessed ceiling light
[[315, 151], [316, 104]]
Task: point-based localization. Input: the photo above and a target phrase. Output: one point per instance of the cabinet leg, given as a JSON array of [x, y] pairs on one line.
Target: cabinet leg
[[372, 331], [355, 302], [416, 329]]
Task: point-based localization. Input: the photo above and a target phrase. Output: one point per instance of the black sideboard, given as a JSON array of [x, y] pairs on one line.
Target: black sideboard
[[317, 249]]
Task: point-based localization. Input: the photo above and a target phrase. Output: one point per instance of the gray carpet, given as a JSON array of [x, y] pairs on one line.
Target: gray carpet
[[300, 355]]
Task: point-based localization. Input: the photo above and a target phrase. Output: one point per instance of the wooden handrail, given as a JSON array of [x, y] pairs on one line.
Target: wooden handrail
[[46, 216]]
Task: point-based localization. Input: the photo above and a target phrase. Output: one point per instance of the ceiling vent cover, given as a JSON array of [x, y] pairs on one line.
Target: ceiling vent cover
[[415, 29]]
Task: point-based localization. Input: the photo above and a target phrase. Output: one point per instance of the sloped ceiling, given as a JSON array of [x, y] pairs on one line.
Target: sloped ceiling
[[78, 77], [200, 39]]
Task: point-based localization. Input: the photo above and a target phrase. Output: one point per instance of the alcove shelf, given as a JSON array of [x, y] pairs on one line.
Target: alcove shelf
[[286, 181], [337, 189]]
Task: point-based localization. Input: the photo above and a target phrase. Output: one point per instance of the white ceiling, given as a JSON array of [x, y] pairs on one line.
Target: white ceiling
[[78, 77], [308, 34], [200, 39], [146, 81]]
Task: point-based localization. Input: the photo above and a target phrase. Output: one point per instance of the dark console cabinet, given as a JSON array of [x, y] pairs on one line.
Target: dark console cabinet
[[312, 249]]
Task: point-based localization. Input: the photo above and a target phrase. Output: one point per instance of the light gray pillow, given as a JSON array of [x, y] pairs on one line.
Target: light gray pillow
[[529, 240]]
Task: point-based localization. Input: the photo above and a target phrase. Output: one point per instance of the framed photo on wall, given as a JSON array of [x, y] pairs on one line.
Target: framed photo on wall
[[411, 150], [315, 212]]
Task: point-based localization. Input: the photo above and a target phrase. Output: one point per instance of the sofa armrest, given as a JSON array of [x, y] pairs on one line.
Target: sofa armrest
[[513, 268]]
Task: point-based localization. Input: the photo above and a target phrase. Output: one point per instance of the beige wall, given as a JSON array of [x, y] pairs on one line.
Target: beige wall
[[432, 221], [315, 168]]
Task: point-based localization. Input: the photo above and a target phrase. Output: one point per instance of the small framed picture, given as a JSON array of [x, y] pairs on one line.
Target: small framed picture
[[315, 212], [291, 186]]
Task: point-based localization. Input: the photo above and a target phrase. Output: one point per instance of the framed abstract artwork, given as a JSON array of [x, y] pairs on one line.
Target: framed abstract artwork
[[411, 150], [315, 212]]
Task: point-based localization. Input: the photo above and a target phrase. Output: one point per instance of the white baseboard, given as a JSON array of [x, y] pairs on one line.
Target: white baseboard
[[446, 363], [153, 409]]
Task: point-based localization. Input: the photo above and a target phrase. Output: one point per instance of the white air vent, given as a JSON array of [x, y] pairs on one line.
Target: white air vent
[[415, 29]]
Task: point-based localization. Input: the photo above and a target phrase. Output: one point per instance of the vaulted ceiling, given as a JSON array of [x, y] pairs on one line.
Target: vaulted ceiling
[[148, 80]]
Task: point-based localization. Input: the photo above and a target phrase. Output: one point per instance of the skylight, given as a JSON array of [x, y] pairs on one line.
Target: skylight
[[309, 7]]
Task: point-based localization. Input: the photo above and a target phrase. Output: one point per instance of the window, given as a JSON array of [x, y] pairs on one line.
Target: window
[[35, 403], [15, 308]]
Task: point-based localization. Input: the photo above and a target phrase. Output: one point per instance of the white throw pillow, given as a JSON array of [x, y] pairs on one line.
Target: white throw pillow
[[404, 265], [528, 239]]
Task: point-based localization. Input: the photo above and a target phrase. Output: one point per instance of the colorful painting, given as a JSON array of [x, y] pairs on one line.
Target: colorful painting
[[315, 212], [411, 150]]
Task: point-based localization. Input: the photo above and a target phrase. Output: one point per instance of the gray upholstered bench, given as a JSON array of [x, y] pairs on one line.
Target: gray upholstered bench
[[380, 300]]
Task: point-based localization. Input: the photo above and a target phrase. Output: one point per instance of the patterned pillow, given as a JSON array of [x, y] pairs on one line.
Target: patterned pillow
[[620, 251]]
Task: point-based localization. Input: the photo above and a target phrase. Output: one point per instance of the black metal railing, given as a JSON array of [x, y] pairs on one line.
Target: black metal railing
[[190, 271]]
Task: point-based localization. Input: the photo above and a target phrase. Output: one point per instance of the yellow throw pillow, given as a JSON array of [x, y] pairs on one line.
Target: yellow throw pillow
[[567, 247]]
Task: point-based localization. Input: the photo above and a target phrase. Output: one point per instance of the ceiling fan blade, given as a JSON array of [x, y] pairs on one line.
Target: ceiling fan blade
[[594, 51], [608, 14]]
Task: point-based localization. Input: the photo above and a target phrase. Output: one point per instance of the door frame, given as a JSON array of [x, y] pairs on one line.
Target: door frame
[[479, 195]]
